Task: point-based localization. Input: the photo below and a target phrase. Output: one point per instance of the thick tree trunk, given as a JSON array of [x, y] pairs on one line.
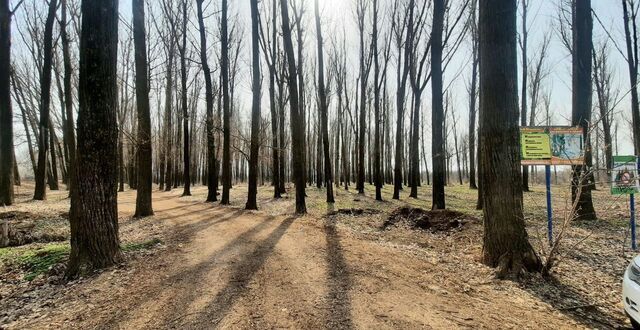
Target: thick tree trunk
[[94, 206], [45, 98], [252, 203], [437, 112], [144, 167], [322, 95], [581, 113], [506, 244], [525, 71], [7, 159], [297, 131]]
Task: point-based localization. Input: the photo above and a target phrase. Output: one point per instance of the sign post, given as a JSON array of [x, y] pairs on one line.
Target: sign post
[[547, 174], [551, 146], [625, 182]]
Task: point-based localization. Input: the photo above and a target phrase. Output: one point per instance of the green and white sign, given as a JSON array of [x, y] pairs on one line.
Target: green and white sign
[[624, 175]]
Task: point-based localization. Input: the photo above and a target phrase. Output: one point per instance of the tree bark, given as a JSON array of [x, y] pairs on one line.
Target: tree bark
[[322, 95], [226, 148], [297, 132], [581, 110], [252, 203], [45, 99], [525, 71], [94, 207], [473, 100], [144, 205], [632, 62], [437, 112], [212, 187], [7, 159], [506, 244], [186, 152], [68, 96]]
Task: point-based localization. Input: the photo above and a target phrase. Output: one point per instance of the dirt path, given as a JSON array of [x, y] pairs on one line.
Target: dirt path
[[229, 268]]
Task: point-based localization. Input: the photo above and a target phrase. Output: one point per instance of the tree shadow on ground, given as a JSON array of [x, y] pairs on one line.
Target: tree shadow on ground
[[338, 280], [189, 276], [241, 275], [572, 303]]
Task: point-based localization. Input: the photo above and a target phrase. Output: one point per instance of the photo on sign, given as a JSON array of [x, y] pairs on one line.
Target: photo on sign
[[625, 175], [567, 146]]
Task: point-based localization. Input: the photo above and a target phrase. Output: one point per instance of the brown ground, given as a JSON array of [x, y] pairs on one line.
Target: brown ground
[[222, 267]]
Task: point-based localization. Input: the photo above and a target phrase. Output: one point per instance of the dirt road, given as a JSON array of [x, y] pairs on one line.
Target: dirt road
[[228, 268]]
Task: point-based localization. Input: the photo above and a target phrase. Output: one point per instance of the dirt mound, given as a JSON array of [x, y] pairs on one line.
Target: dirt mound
[[354, 212], [433, 221], [20, 228]]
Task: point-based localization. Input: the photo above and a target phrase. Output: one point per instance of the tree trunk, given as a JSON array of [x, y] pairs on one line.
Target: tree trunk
[[506, 244], [322, 95], [45, 98], [473, 97], [632, 61], [53, 180], [186, 152], [7, 159], [68, 96], [226, 148], [212, 187], [94, 206], [144, 167], [252, 203], [581, 113], [437, 113], [297, 132], [525, 70]]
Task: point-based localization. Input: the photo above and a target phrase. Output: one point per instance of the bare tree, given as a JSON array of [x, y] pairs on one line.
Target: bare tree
[[297, 132], [473, 94], [581, 109], [226, 129], [45, 99], [255, 112], [68, 96], [94, 206], [322, 96], [7, 156], [437, 108], [607, 98], [630, 9], [144, 166], [505, 238], [212, 173]]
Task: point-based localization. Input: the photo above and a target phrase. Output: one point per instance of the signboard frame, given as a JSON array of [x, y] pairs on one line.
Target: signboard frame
[[564, 145]]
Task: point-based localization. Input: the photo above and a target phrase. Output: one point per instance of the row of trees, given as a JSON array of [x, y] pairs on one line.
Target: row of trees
[[182, 146]]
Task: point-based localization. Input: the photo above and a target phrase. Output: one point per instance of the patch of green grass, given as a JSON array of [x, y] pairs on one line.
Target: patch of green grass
[[129, 247], [38, 261]]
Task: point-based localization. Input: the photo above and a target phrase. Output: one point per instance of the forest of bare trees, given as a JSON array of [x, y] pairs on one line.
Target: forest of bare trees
[[160, 101]]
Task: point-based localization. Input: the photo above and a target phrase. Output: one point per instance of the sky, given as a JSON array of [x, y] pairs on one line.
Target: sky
[[338, 16]]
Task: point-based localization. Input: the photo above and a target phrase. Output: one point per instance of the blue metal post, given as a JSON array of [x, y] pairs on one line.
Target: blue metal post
[[547, 174], [632, 203]]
